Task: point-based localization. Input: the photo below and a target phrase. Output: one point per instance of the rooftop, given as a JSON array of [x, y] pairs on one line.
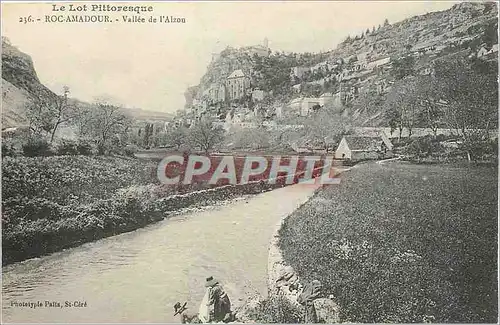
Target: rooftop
[[362, 143], [237, 74]]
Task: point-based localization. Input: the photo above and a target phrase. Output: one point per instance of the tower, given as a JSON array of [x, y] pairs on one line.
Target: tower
[[266, 43]]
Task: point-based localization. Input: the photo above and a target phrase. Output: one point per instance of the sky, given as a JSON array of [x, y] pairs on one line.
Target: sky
[[150, 65]]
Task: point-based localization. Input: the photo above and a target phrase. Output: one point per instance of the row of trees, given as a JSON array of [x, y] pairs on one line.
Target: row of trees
[[461, 94], [101, 123], [104, 126], [366, 33], [203, 135]]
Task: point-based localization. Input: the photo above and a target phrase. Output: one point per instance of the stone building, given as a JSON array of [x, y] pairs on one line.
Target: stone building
[[237, 85], [260, 50], [217, 93], [361, 148]]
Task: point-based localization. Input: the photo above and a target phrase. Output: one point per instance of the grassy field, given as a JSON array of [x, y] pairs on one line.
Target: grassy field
[[71, 179], [402, 243], [58, 202]]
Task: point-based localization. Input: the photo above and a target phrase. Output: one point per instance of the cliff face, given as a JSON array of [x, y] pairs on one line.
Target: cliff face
[[221, 67], [189, 95], [353, 67], [462, 21], [20, 85]]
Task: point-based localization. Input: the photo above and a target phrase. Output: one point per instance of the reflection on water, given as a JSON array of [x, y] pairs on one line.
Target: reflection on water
[[138, 276]]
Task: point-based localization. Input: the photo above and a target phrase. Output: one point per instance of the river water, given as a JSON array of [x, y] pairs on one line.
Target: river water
[[138, 276]]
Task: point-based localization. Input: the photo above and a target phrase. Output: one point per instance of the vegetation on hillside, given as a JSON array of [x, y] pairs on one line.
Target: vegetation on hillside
[[461, 94]]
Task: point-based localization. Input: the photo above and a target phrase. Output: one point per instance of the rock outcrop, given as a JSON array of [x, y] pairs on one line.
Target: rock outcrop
[[20, 85], [362, 64]]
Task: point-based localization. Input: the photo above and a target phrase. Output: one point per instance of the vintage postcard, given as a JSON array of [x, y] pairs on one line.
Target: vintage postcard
[[249, 162]]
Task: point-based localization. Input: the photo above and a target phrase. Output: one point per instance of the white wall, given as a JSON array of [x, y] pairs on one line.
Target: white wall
[[343, 149]]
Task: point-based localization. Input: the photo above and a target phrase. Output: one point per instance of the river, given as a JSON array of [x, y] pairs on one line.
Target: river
[[138, 276]]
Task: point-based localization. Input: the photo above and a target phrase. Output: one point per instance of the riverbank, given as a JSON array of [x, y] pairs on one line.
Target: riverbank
[[398, 242], [458, 162], [54, 203], [139, 275], [282, 306], [273, 308]]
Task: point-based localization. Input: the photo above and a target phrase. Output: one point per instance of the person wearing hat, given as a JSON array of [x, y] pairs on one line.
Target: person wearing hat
[[218, 301], [288, 281], [312, 291]]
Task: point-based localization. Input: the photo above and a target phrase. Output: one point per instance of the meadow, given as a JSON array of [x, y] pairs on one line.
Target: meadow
[[402, 243]]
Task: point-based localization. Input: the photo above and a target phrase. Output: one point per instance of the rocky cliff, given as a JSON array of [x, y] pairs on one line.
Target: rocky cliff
[[20, 85], [221, 67], [353, 67], [465, 21]]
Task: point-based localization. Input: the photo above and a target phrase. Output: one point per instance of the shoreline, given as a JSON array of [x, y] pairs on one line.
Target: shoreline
[[276, 263], [339, 223], [23, 245], [43, 237]]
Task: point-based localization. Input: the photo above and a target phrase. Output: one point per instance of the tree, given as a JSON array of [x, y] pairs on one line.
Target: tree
[[393, 116], [403, 67], [176, 137], [83, 120], [108, 125], [257, 138], [148, 133], [47, 114], [386, 22], [205, 136], [373, 29], [326, 123], [402, 105], [470, 93], [367, 32]]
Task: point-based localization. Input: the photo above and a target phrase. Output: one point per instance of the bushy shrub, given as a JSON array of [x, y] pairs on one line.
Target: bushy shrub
[[9, 148], [67, 147], [480, 149], [130, 150], [85, 147], [37, 147], [423, 147], [276, 309]]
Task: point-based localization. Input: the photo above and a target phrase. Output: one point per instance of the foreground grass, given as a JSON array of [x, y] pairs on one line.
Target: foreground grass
[[70, 179], [402, 243]]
